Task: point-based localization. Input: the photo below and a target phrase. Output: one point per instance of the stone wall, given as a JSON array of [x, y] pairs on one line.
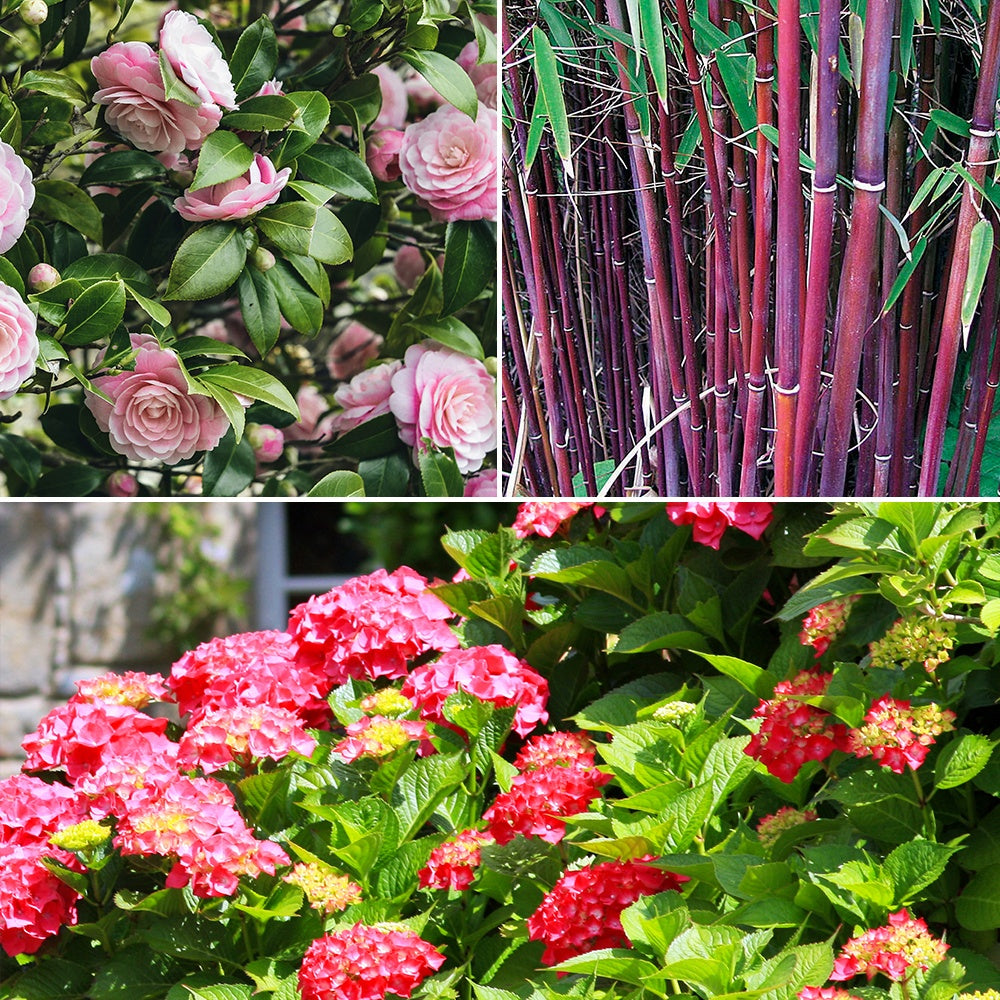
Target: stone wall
[[77, 580]]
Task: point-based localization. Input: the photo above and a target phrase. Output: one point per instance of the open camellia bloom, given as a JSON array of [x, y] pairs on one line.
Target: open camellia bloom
[[366, 963], [365, 397], [195, 59], [18, 341], [583, 910], [152, 416], [17, 195], [243, 196]]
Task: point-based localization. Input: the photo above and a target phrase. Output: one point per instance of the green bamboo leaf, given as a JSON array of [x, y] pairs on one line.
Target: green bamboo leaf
[[904, 241], [536, 129], [905, 273], [550, 87], [221, 158], [980, 252], [651, 22]]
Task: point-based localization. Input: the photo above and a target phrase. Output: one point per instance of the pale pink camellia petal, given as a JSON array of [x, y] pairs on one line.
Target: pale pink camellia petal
[[365, 397], [382, 154], [449, 161], [392, 114], [448, 398], [239, 198], [152, 416], [483, 484], [131, 87], [191, 52], [17, 195], [18, 341]]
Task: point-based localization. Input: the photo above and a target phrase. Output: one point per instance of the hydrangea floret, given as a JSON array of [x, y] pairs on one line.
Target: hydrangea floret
[[327, 890], [897, 735], [770, 828], [902, 946], [915, 640], [453, 864], [825, 622]]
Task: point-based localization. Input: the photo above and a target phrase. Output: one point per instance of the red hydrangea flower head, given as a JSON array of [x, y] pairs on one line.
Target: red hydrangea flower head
[[34, 903], [250, 668], [825, 622], [79, 736], [897, 736], [453, 864], [770, 828], [195, 822], [583, 911], [31, 810], [824, 993], [555, 748], [372, 626], [377, 736], [326, 889], [710, 518], [793, 732], [366, 963], [546, 517], [489, 673], [130, 688], [243, 733], [905, 943], [539, 799]]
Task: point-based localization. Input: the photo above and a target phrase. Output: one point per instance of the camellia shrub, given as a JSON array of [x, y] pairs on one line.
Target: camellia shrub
[[700, 750], [248, 249]]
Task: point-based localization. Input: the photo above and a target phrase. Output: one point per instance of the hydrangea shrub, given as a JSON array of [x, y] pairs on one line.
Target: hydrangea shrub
[[248, 249], [648, 780]]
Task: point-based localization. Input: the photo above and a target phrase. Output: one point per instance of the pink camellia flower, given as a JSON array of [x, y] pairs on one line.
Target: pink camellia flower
[[312, 425], [382, 154], [266, 440], [17, 195], [122, 484], [131, 87], [483, 484], [191, 52], [449, 161], [152, 416], [353, 348], [394, 103], [18, 341], [409, 265], [483, 75], [270, 89], [448, 398], [365, 397], [259, 187]]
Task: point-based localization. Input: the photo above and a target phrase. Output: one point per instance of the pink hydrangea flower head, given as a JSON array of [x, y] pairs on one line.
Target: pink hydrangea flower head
[[770, 828], [366, 963], [377, 736], [583, 910], [239, 198], [392, 114], [824, 993], [152, 416], [34, 903], [825, 622], [382, 154], [31, 810], [365, 397], [448, 398], [327, 890], [485, 483], [372, 626], [710, 518], [792, 732], [489, 673], [905, 943], [244, 733], [18, 341], [546, 517], [191, 52], [453, 864], [351, 350], [548, 749], [449, 161], [131, 88], [483, 75], [17, 195], [131, 688], [249, 668], [898, 736], [539, 800]]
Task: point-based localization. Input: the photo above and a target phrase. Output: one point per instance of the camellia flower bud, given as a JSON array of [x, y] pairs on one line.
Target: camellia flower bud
[[267, 442], [122, 484], [42, 277], [34, 11], [262, 259]]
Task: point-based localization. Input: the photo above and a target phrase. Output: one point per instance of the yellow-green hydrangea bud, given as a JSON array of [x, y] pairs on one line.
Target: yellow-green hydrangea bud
[[81, 836]]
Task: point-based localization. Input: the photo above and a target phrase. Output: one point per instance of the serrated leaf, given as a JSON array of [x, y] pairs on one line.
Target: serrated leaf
[[422, 786], [962, 759], [978, 906]]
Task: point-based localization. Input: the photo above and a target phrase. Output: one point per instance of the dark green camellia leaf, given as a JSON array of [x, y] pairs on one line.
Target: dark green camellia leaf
[[387, 476], [254, 384], [174, 87], [341, 170], [259, 307], [311, 230], [302, 309], [67, 203], [123, 167], [446, 77], [95, 314], [339, 484], [72, 480], [314, 113], [439, 474], [373, 439], [254, 58], [207, 262], [55, 85], [270, 113], [22, 458], [220, 159], [452, 333], [470, 262], [229, 467], [9, 276], [45, 120], [357, 103]]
